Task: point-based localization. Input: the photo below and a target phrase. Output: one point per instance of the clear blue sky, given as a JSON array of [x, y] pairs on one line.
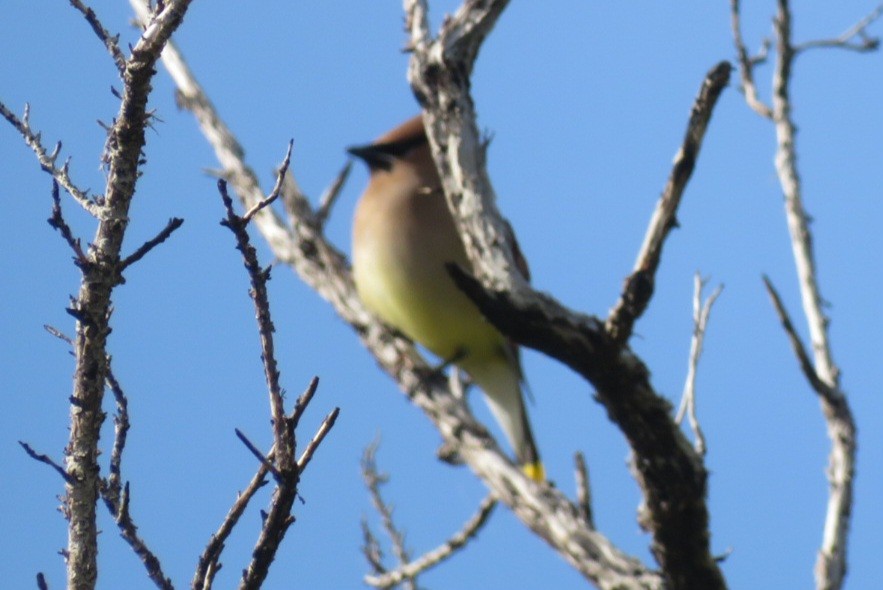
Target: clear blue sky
[[587, 103]]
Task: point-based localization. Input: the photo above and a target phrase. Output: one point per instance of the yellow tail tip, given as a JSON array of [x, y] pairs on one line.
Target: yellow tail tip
[[535, 471]]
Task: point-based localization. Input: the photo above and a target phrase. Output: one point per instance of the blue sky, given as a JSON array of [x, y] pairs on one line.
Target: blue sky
[[587, 104]]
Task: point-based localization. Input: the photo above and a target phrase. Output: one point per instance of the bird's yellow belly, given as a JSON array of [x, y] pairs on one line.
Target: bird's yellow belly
[[415, 295]]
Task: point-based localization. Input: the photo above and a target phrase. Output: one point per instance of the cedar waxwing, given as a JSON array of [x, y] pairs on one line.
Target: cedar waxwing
[[403, 236]]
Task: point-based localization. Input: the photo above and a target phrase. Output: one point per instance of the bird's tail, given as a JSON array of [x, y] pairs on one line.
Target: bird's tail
[[501, 383]]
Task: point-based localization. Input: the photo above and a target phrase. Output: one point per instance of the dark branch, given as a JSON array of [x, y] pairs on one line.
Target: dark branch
[[329, 197], [806, 364], [111, 42], [57, 222], [173, 224], [265, 460], [638, 288], [48, 461], [209, 560]]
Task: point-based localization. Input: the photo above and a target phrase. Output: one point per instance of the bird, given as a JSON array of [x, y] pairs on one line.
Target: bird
[[404, 237]]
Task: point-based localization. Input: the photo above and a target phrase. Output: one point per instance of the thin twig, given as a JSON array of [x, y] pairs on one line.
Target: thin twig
[[746, 64], [701, 313], [803, 357], [129, 532], [303, 401], [845, 40], [58, 222], [117, 497], [373, 480], [111, 42], [258, 277], [111, 488], [583, 490], [277, 188], [638, 288], [209, 560], [371, 549], [411, 570], [48, 461], [324, 429], [173, 224], [329, 197], [266, 461], [47, 160]]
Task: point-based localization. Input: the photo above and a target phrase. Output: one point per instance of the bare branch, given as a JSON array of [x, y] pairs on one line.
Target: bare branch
[[638, 288], [821, 372], [583, 490], [93, 303], [117, 496], [47, 460], [58, 222], [701, 313], [847, 39], [371, 549], [110, 489], [112, 43], [129, 532], [746, 64], [324, 429], [411, 570], [173, 224], [274, 194], [258, 277], [373, 481], [265, 460], [41, 582], [209, 560], [47, 160], [796, 344], [303, 401], [329, 197]]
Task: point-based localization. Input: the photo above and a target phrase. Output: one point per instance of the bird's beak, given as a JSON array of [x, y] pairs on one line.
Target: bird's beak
[[375, 158]]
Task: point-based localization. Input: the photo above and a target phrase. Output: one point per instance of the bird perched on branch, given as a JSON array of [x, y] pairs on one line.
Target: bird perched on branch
[[403, 236]]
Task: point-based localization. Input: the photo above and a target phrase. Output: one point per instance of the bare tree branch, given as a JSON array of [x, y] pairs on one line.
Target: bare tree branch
[[847, 39], [42, 458], [803, 357], [329, 197], [209, 561], [58, 222], [373, 480], [410, 570], [317, 439], [663, 463], [638, 288], [822, 373], [746, 64], [701, 313], [47, 160], [93, 304], [283, 465], [112, 43], [173, 224]]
